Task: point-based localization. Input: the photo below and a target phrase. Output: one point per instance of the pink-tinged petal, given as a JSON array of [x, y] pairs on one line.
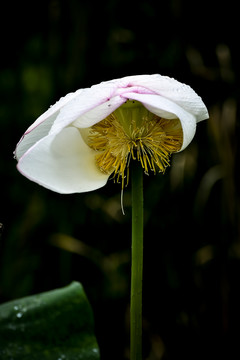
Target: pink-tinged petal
[[104, 98], [87, 100], [169, 88], [168, 110], [90, 117], [54, 109], [129, 82], [34, 135], [41, 127], [63, 163], [69, 109], [53, 151], [88, 106]]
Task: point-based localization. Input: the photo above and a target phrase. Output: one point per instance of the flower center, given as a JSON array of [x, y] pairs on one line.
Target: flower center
[[133, 132]]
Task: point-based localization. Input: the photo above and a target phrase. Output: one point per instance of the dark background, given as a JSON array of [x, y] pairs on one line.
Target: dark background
[[192, 245]]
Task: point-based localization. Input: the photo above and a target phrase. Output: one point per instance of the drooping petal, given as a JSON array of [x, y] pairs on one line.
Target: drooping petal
[[88, 106], [63, 163], [96, 102], [168, 110], [42, 125], [33, 135], [91, 117], [160, 87], [67, 110], [169, 88], [98, 97], [54, 152]]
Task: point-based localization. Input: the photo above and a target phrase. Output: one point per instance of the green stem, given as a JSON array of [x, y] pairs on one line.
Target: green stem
[[137, 262]]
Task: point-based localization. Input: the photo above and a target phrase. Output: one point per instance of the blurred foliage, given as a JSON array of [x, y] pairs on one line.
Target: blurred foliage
[[192, 244]]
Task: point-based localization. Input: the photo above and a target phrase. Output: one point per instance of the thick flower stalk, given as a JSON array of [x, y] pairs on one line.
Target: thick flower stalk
[[94, 133]]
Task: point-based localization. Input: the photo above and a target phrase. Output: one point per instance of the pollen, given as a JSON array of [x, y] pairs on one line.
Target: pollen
[[133, 133]]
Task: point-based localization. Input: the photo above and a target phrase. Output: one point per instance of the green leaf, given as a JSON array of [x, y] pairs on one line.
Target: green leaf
[[55, 325]]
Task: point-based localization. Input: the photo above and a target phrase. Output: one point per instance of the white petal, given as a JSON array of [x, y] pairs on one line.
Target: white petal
[[98, 113], [181, 94], [169, 88], [88, 106], [41, 127], [96, 101], [128, 81], [55, 155], [169, 110], [63, 163], [54, 109], [34, 135]]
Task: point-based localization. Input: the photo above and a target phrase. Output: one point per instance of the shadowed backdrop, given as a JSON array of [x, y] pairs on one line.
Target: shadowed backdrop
[[192, 245]]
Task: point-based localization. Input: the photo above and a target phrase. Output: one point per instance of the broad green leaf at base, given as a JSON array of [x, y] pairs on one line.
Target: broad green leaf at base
[[55, 325]]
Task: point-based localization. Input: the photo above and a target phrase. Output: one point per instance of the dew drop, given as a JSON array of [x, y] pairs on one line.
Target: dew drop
[[19, 315]]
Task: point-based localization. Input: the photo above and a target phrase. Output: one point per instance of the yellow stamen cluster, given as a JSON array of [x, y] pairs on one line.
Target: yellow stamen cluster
[[143, 136]]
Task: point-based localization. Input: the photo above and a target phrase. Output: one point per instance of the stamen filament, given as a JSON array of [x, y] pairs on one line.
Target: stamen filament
[[142, 136]]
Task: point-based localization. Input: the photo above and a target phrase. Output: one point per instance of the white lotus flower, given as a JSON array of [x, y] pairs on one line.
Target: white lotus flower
[[94, 133]]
